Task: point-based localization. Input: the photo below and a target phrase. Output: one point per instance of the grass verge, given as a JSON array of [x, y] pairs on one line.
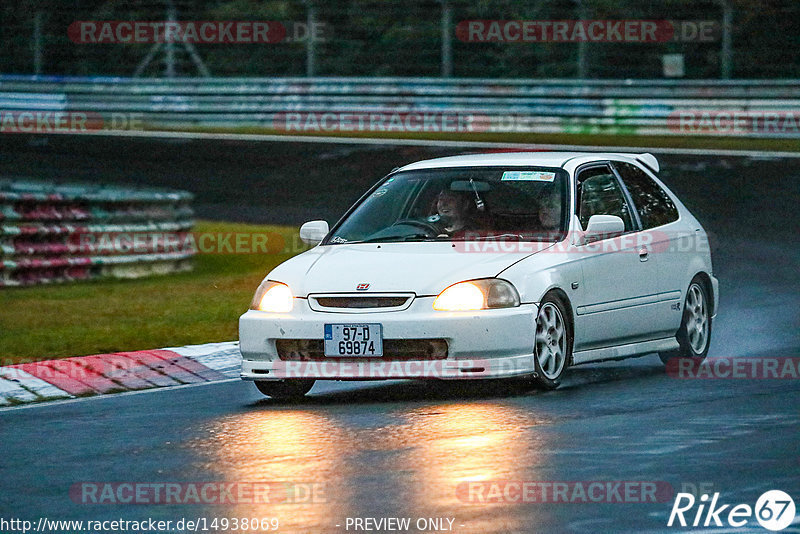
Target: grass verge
[[41, 323]]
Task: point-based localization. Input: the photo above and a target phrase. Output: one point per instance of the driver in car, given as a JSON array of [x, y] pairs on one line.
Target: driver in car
[[452, 212], [550, 213]]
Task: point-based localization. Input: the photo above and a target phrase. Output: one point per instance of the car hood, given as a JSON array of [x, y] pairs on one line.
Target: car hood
[[421, 268]]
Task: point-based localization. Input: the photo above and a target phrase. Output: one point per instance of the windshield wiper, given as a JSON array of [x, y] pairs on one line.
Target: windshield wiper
[[406, 237], [519, 237]]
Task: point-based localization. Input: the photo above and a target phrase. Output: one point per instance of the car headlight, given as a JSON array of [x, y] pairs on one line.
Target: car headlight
[[272, 297], [481, 294]]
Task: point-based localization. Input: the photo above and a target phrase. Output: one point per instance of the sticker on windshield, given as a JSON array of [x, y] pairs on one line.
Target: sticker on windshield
[[528, 176]]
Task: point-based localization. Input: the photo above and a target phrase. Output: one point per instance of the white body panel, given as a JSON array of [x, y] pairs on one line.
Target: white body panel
[[621, 305], [420, 268]]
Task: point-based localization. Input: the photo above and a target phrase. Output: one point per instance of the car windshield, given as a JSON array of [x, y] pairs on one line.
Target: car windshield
[[458, 204]]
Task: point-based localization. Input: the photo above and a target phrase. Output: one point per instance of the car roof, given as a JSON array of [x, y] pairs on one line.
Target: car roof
[[539, 159]]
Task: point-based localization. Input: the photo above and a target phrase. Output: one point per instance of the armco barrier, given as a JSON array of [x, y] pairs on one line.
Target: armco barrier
[[752, 108], [58, 233]]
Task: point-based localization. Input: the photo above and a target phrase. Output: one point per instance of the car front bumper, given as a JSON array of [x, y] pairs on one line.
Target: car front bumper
[[481, 344]]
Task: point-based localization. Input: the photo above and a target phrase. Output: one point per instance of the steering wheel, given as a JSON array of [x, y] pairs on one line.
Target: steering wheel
[[429, 228]]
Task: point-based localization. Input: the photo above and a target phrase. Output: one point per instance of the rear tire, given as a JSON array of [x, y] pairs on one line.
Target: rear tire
[[694, 334], [294, 389], [552, 348]]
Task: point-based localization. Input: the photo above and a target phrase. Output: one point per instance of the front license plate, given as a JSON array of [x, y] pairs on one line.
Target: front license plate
[[353, 340]]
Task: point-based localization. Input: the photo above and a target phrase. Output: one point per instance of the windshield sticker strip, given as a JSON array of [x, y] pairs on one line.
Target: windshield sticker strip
[[528, 176]]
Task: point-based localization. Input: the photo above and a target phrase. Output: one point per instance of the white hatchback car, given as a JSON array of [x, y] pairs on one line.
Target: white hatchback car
[[487, 266]]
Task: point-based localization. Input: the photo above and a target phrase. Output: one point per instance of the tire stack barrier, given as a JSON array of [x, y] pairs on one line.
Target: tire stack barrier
[[61, 233]]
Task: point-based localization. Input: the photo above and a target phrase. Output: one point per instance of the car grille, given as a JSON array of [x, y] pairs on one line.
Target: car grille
[[312, 350], [361, 302]]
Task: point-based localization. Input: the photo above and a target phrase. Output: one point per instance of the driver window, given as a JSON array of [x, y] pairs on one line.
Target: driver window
[[599, 193]]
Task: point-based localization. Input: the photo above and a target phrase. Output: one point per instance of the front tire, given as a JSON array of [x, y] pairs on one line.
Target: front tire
[[694, 334], [552, 350], [294, 389]]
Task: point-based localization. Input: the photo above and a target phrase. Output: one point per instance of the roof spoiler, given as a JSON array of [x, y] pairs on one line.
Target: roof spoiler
[[649, 161]]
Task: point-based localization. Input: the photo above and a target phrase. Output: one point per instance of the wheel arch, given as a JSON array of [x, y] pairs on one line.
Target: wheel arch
[[562, 295], [709, 287]]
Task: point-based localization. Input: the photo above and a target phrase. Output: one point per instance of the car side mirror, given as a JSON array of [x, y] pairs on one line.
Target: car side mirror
[[603, 227], [313, 232]]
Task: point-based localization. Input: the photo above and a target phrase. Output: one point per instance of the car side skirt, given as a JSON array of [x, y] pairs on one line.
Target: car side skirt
[[625, 351]]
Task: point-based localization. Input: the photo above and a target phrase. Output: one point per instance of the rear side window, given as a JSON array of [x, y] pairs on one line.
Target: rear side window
[[653, 204], [599, 193]]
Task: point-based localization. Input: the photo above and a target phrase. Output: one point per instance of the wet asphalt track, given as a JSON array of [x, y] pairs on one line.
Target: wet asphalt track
[[401, 448]]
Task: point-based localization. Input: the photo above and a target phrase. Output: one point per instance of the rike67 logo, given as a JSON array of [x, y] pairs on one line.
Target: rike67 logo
[[774, 510]]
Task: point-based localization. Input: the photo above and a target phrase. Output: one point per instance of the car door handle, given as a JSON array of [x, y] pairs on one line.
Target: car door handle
[[643, 254]]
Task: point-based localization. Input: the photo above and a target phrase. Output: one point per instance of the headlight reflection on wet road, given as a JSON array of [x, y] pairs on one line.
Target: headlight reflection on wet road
[[430, 449], [297, 449]]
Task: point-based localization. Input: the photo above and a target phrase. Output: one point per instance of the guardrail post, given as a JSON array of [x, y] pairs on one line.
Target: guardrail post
[[447, 40], [37, 43], [727, 49], [169, 66], [311, 16], [581, 66]]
